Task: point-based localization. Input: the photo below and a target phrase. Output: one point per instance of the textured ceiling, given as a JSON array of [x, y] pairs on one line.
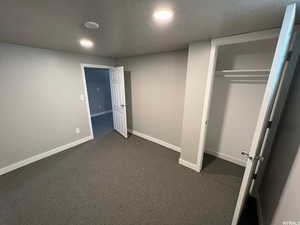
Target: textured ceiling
[[127, 27]]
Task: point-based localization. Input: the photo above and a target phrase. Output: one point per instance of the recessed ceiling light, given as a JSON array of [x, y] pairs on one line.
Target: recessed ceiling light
[[163, 15], [86, 43], [91, 25]]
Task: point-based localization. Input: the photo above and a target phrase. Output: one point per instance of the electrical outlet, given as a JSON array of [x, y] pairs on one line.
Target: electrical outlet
[[77, 130], [98, 89]]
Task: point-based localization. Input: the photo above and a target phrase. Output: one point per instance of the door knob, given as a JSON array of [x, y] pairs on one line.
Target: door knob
[[260, 158], [244, 153], [123, 105]]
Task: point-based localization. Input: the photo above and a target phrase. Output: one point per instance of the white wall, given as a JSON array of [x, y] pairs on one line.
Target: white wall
[[155, 86], [40, 103], [249, 55], [164, 93], [234, 112], [236, 101], [197, 68]]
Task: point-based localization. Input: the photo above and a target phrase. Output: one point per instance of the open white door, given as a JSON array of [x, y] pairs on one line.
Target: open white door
[[279, 60], [118, 101]]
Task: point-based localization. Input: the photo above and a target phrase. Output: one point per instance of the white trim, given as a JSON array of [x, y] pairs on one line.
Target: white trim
[[206, 104], [101, 113], [178, 149], [43, 155], [155, 140], [87, 105], [247, 37], [189, 165], [259, 210], [96, 66], [227, 157]]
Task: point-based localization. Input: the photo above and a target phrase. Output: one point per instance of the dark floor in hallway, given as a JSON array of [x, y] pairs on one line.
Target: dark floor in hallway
[[102, 124], [114, 181], [249, 215]]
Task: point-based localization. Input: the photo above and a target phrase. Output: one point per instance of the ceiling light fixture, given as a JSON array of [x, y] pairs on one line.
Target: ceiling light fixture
[[163, 15], [91, 25], [86, 43]]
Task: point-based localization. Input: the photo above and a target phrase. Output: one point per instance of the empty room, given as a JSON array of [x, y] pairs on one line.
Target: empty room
[[149, 112]]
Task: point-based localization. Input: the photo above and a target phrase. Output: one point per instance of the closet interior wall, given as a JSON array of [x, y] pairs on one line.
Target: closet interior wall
[[237, 97]]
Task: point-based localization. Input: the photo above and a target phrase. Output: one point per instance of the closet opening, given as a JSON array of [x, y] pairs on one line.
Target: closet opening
[[244, 96], [238, 92], [242, 71]]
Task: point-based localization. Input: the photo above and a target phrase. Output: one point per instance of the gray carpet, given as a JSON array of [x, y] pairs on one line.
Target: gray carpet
[[111, 181]]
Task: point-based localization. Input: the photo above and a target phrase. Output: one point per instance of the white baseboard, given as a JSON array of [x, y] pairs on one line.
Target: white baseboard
[[259, 210], [43, 155], [189, 165], [101, 113], [167, 145], [227, 157], [155, 140]]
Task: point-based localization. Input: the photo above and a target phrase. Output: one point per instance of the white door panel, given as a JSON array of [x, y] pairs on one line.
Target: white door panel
[[275, 76], [118, 100]]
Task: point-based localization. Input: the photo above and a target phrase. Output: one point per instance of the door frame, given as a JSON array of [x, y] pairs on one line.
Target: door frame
[[85, 91], [215, 44]]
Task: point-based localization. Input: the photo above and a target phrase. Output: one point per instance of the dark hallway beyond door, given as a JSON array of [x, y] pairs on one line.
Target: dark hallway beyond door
[[102, 125]]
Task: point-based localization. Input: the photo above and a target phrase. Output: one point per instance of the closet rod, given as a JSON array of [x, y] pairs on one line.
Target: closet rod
[[248, 72], [244, 76], [250, 81]]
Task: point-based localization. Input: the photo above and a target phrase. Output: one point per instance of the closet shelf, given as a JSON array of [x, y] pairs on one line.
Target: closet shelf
[[244, 73]]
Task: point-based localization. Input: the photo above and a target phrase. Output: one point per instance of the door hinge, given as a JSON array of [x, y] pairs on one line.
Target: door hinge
[[254, 176], [289, 56], [269, 124]]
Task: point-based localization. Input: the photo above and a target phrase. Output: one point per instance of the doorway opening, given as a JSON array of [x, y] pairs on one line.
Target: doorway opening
[[99, 95], [105, 99]]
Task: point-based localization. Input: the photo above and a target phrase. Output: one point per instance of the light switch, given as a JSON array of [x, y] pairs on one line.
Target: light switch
[[81, 97]]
